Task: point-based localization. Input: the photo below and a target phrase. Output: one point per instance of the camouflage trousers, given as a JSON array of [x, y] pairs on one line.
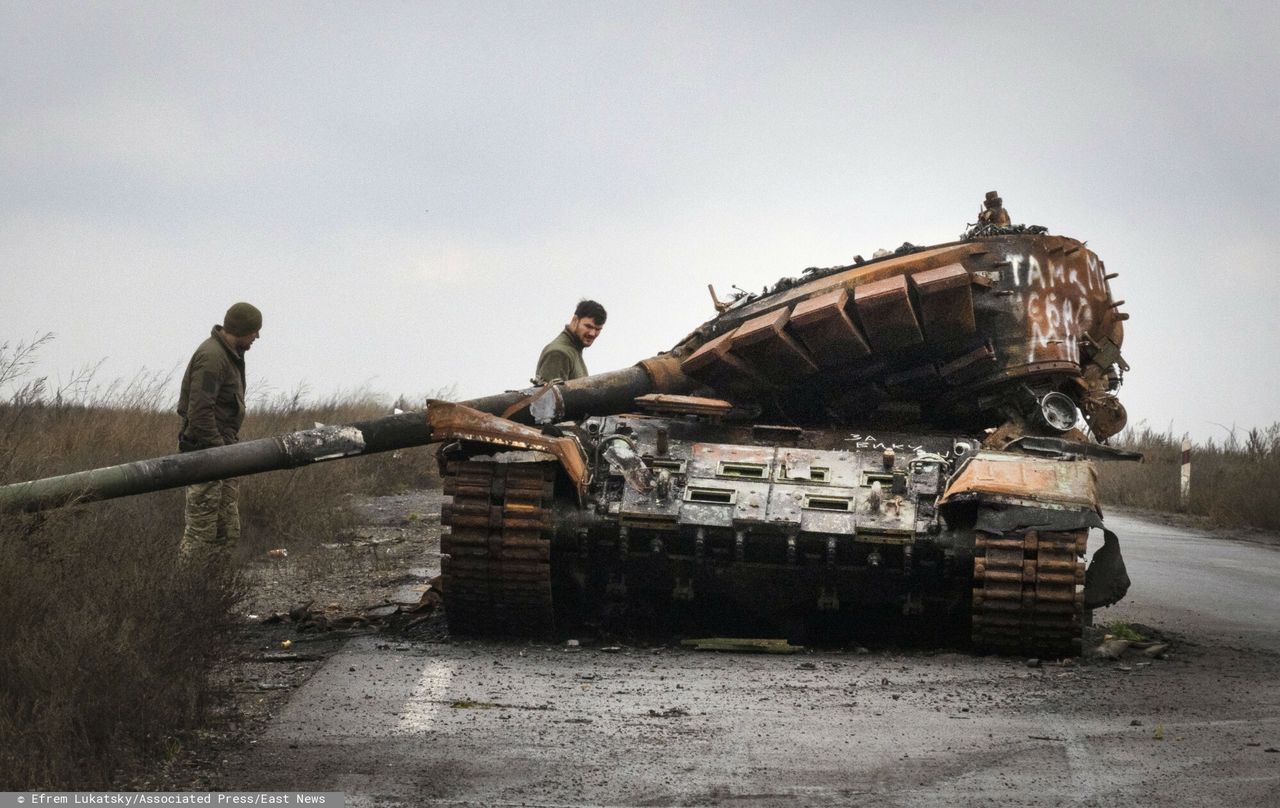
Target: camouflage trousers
[[212, 521]]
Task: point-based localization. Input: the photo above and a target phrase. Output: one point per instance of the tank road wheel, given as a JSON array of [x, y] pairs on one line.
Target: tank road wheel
[[496, 556], [1026, 592]]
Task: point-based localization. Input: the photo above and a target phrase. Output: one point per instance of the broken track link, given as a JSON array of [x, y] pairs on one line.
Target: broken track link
[[496, 557], [1027, 596]]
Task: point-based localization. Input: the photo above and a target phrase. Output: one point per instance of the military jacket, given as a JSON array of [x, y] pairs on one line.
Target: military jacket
[[561, 359], [212, 400]]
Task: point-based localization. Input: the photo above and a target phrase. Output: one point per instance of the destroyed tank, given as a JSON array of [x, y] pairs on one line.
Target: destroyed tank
[[908, 439]]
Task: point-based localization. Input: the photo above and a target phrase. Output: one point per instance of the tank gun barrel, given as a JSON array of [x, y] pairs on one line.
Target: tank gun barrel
[[603, 393], [600, 394]]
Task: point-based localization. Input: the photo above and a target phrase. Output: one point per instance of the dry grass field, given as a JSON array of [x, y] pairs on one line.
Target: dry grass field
[[1232, 481], [108, 642]]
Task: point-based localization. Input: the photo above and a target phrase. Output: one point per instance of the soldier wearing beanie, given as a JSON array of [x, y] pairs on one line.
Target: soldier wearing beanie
[[211, 405]]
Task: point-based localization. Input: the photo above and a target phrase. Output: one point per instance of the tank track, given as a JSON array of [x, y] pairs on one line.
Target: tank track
[[496, 556], [1026, 596]]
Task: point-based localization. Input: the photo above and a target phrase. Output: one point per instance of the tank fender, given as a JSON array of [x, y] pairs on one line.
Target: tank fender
[[1011, 478], [450, 421]]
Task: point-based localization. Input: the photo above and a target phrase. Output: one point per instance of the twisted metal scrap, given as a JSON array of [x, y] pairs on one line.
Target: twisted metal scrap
[[814, 273], [983, 229]]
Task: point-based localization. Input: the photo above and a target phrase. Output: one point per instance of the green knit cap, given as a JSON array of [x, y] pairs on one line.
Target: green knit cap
[[242, 319]]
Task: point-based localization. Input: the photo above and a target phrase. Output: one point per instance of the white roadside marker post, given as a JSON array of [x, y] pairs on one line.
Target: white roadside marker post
[[1186, 472]]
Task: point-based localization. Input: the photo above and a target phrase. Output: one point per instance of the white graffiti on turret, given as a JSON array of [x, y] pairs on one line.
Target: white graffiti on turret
[[1056, 301]]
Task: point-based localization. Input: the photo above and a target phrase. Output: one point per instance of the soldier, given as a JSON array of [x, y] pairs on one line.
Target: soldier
[[212, 408], [562, 358]]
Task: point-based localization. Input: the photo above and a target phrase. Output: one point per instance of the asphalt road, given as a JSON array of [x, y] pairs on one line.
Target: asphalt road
[[474, 723], [1198, 584]]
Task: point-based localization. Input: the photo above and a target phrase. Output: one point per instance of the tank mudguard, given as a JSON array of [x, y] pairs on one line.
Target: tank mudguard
[[450, 422]]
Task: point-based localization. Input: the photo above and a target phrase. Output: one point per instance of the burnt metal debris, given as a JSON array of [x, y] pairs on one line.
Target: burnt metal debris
[[912, 434]]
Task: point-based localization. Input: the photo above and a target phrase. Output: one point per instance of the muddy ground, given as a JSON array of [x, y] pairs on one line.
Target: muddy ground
[[302, 608], [391, 711]]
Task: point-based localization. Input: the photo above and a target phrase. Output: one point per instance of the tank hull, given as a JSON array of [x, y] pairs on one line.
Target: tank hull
[[769, 529]]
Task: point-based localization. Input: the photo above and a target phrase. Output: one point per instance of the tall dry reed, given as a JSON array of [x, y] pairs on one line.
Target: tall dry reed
[[108, 642], [1232, 480]]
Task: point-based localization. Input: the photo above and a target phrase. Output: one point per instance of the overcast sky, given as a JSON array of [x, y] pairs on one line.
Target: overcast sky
[[417, 193]]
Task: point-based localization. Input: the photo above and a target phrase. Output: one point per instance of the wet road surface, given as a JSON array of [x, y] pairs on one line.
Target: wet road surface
[[484, 723], [1196, 583]]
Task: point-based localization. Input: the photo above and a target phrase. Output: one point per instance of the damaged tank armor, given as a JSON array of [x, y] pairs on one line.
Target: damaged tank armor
[[915, 433]]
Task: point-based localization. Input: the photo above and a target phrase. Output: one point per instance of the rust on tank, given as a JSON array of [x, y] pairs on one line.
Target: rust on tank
[[664, 403], [823, 323], [451, 422], [1017, 477], [946, 304], [946, 327]]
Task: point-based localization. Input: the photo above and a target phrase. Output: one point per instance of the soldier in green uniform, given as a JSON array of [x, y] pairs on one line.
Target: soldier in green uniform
[[562, 358], [211, 405]]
